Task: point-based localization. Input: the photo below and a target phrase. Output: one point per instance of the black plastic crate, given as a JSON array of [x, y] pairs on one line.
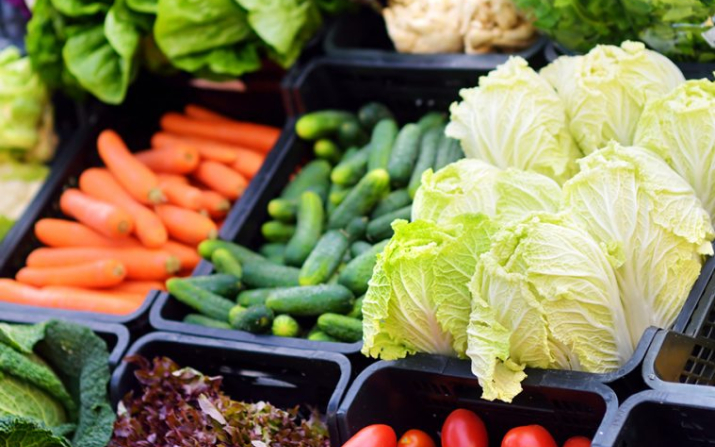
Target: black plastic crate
[[114, 335], [136, 120], [283, 377], [661, 419], [421, 391]]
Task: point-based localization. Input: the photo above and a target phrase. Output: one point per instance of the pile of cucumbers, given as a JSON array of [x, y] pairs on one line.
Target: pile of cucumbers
[[329, 224]]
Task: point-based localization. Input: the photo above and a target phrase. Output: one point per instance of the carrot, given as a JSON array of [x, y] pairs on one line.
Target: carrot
[[14, 292], [135, 299], [105, 218], [188, 256], [248, 164], [258, 136], [178, 159], [186, 226], [173, 178], [139, 181], [221, 179], [102, 185], [202, 113], [140, 287], [96, 274], [141, 263], [66, 233], [208, 150], [181, 194], [214, 204]]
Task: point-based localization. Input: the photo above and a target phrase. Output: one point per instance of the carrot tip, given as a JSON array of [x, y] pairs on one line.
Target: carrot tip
[[173, 264], [213, 234], [156, 196]]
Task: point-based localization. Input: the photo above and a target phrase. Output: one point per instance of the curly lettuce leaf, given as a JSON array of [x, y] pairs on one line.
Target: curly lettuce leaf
[[18, 432], [80, 8], [22, 337], [20, 398]]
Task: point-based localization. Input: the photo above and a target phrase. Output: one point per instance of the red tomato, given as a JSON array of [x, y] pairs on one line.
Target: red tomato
[[416, 438], [528, 436], [578, 441], [377, 435], [462, 428]]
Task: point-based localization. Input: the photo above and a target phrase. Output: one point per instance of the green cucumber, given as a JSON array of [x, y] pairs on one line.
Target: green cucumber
[[337, 194], [358, 272], [448, 152], [322, 336], [359, 247], [243, 254], [202, 320], [276, 231], [219, 284], [356, 229], [430, 120], [256, 319], [343, 328], [372, 113], [207, 303], [249, 298], [351, 134], [351, 169], [321, 124], [311, 301], [285, 326], [327, 150], [362, 199], [262, 274], [394, 201], [381, 228], [308, 229], [426, 160], [325, 258], [383, 138], [225, 262], [314, 176], [404, 155], [283, 209], [274, 252], [349, 152], [357, 308]]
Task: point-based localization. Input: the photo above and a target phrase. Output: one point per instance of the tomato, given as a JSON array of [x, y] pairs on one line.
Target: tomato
[[528, 436], [377, 435], [578, 441], [463, 428], [416, 438]]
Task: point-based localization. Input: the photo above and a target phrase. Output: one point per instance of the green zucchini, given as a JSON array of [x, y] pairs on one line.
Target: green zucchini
[[314, 176], [351, 134], [285, 326], [362, 199], [426, 160], [209, 304], [404, 155], [325, 258], [311, 301], [308, 229], [274, 252], [261, 274], [372, 113], [358, 272], [351, 169], [359, 247], [342, 327], [383, 138], [394, 201], [256, 319], [219, 284], [449, 151], [357, 308], [283, 209], [321, 336], [327, 150], [430, 120], [225, 262], [381, 228], [321, 124], [243, 254], [202, 320], [276, 231]]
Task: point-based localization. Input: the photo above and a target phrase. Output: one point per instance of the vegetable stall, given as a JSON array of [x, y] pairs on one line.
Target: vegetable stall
[[357, 223]]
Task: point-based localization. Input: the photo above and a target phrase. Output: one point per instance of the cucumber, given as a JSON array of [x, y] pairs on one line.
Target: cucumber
[[358, 272], [404, 155], [283, 210], [274, 252], [356, 229], [351, 169], [349, 152], [448, 152], [337, 194], [430, 120], [256, 319], [308, 229], [372, 113], [276, 231], [219, 284], [314, 176], [362, 199], [261, 274], [243, 254], [383, 138], [327, 150], [201, 320], [311, 301], [285, 326], [209, 304], [249, 298], [381, 228], [357, 308], [394, 201], [321, 336], [225, 262], [426, 160], [351, 134], [321, 124], [359, 247], [343, 328], [325, 258]]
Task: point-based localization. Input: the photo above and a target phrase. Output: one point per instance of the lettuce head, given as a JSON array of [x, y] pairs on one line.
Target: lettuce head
[[515, 119], [680, 128], [605, 91]]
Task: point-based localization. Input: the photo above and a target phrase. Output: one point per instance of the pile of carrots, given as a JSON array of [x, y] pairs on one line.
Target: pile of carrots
[[138, 220]]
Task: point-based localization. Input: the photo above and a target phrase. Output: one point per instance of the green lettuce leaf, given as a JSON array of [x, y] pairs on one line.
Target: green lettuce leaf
[[515, 119], [22, 337], [21, 399], [18, 432], [79, 8]]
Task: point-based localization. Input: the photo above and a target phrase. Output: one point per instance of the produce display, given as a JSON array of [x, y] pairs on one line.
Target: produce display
[[53, 386], [138, 220]]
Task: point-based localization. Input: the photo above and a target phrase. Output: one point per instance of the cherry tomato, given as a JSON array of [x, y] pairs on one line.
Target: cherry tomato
[[416, 438], [463, 428], [528, 436], [377, 435], [578, 441]]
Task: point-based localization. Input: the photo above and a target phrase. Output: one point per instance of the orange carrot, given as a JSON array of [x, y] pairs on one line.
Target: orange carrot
[[181, 194], [173, 178], [103, 217], [96, 274], [102, 185], [141, 263], [208, 150], [186, 226], [179, 159], [221, 179], [14, 292], [138, 180], [248, 164], [66, 233], [202, 113], [188, 256], [258, 136], [140, 287], [135, 299], [214, 204]]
